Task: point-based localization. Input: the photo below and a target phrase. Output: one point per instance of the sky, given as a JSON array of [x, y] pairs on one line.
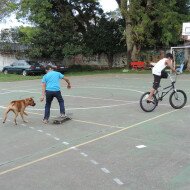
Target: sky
[[107, 5]]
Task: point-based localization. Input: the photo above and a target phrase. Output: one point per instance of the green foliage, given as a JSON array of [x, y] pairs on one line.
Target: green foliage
[[169, 17], [66, 28], [82, 68], [71, 49], [59, 26], [156, 23], [106, 36], [69, 27], [9, 35], [6, 7]]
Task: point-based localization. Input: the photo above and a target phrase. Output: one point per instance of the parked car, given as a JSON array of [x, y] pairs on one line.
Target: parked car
[[24, 67], [59, 68]]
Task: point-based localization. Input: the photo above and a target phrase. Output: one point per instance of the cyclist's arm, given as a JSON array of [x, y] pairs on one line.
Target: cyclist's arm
[[170, 65]]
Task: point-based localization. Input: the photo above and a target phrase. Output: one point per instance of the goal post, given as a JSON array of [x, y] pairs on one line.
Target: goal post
[[181, 55]]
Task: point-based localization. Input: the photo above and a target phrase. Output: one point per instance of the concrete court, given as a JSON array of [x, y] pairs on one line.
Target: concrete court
[[110, 143]]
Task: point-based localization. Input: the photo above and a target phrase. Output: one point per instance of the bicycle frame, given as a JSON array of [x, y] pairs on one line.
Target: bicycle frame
[[164, 93]]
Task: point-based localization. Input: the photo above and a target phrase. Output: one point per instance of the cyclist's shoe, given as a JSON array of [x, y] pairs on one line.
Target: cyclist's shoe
[[150, 101]]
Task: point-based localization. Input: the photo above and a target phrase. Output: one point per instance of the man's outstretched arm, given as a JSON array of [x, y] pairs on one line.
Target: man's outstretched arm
[[68, 82], [43, 92]]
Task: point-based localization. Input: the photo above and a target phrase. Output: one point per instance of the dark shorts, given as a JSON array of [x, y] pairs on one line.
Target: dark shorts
[[156, 82]]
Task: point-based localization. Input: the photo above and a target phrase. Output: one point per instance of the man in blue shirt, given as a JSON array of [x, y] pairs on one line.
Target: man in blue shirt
[[51, 89]]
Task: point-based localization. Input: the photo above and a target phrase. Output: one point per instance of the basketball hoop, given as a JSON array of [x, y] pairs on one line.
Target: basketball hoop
[[186, 31], [186, 38]]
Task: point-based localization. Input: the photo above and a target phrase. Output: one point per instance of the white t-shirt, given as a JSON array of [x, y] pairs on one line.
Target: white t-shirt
[[160, 65]]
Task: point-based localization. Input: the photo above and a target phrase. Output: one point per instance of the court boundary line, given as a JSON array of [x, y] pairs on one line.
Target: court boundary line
[[84, 143], [76, 120]]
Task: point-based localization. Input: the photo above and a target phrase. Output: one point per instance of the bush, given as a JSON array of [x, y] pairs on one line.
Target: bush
[[81, 68]]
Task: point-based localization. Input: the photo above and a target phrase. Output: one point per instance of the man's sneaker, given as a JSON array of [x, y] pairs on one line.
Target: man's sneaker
[[63, 115], [45, 121]]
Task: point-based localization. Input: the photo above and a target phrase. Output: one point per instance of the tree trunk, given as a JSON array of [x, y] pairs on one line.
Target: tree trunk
[[135, 53], [129, 41], [124, 6], [110, 60]]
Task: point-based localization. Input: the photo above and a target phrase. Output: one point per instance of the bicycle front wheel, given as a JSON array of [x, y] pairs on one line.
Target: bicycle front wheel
[[178, 99], [148, 106]]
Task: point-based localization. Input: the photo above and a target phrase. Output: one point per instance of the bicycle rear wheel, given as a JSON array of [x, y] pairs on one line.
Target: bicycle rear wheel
[[178, 99], [148, 106]]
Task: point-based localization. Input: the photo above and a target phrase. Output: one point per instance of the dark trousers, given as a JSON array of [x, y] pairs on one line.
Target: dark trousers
[[49, 98]]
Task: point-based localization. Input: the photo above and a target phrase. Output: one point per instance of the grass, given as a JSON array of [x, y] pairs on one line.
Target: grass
[[15, 77]]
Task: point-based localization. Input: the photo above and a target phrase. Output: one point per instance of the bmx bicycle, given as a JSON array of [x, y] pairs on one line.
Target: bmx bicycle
[[177, 98]]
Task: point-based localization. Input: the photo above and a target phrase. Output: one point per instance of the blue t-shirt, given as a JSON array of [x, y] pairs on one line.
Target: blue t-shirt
[[52, 80]]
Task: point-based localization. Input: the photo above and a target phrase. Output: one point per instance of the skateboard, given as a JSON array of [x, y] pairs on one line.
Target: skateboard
[[60, 120]]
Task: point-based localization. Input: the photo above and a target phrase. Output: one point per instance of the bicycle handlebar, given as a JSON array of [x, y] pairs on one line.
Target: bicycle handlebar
[[175, 76]]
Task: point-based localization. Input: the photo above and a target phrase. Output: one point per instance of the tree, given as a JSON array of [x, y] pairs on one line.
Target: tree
[[150, 22], [61, 22], [6, 6], [72, 27], [9, 35], [106, 37]]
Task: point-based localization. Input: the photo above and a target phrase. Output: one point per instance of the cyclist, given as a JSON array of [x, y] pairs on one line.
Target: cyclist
[[158, 73]]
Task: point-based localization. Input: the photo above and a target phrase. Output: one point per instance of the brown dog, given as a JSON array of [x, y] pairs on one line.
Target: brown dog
[[18, 106]]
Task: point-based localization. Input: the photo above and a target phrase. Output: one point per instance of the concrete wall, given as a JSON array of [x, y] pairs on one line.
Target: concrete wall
[[119, 60], [101, 61], [6, 59]]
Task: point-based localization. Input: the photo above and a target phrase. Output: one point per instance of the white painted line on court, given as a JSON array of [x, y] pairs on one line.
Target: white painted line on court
[[74, 148], [57, 139], [65, 143], [100, 107], [95, 98], [85, 108], [100, 87], [118, 181], [84, 143], [20, 87], [2, 107], [48, 134], [94, 162], [88, 122], [99, 124], [17, 91], [40, 131], [83, 154], [141, 146], [128, 78], [5, 93], [105, 170], [112, 88]]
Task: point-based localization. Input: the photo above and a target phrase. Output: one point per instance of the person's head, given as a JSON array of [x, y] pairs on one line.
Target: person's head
[[169, 55], [49, 68]]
